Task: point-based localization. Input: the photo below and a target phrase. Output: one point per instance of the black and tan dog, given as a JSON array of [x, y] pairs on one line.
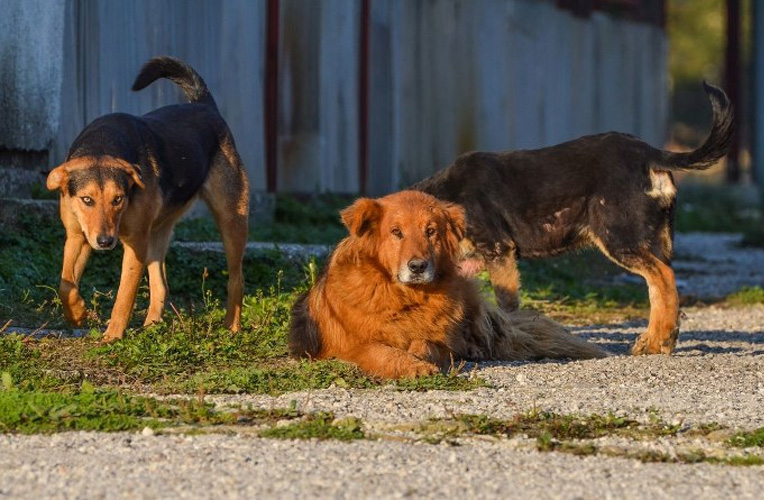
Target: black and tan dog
[[130, 178], [610, 190]]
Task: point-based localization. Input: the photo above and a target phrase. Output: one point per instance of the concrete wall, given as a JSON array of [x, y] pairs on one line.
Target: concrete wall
[[446, 76], [458, 75], [31, 58], [106, 43]]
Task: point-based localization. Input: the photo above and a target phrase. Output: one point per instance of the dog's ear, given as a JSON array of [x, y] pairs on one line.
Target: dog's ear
[[456, 218], [362, 216], [134, 171], [57, 178]]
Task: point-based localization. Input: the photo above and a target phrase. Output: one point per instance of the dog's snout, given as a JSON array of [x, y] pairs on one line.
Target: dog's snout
[[105, 241], [418, 266]]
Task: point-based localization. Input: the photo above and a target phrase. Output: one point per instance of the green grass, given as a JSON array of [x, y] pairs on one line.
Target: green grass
[[549, 428], [88, 408], [191, 353], [748, 439], [746, 297], [320, 426], [717, 208], [91, 409], [314, 220], [578, 434], [581, 287]]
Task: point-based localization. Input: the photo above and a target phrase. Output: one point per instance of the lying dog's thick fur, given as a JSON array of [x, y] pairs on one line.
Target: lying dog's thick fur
[[611, 191], [132, 177], [392, 301]]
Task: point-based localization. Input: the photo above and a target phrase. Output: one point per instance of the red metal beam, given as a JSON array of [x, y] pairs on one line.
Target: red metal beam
[[271, 94], [732, 84]]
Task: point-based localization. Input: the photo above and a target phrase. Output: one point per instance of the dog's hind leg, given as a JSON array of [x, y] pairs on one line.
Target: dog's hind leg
[[226, 193], [505, 279], [158, 288], [76, 253], [663, 328]]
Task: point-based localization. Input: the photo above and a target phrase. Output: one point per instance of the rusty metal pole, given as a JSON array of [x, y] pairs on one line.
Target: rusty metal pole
[[271, 94]]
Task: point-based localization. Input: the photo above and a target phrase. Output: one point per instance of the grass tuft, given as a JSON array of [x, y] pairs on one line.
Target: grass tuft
[[747, 296], [321, 425]]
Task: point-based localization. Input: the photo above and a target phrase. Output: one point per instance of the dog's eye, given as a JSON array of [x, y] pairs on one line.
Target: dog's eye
[[117, 200], [87, 200], [431, 232], [397, 233]]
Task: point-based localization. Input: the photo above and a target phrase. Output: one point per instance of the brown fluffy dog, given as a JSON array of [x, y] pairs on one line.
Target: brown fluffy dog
[[391, 299]]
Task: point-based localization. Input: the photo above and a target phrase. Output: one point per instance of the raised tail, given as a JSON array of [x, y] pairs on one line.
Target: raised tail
[[179, 73], [528, 334], [717, 144]]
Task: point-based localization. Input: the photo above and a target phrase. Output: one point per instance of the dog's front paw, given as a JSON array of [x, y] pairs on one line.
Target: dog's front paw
[[419, 369], [76, 312], [112, 335]]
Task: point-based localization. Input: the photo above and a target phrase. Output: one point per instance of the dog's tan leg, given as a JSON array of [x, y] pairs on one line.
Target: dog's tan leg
[[505, 278], [76, 253], [132, 271], [663, 328], [158, 288], [235, 243], [388, 362], [226, 193]]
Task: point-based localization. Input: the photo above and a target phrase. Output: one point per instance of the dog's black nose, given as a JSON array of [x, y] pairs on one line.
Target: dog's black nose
[[418, 266], [105, 241]]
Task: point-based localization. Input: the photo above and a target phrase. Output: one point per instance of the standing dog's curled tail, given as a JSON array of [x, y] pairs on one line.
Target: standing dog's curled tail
[[180, 73], [716, 145]]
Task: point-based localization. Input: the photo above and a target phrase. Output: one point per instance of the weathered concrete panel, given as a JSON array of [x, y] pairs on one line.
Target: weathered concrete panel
[[107, 43], [31, 59], [446, 76]]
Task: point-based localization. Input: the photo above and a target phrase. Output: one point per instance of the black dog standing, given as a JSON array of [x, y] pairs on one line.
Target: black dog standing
[[612, 191]]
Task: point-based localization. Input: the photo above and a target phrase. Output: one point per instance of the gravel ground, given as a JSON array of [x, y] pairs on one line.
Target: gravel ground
[[716, 375]]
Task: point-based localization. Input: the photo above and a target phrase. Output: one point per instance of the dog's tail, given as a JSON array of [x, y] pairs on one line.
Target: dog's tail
[[717, 144], [304, 340], [179, 73], [528, 334]]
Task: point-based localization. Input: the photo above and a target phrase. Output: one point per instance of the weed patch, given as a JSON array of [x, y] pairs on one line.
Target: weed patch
[[712, 208], [321, 425], [579, 434], [747, 296], [748, 439]]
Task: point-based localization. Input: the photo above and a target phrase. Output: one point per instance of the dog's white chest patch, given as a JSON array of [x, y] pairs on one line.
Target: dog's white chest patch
[[661, 187]]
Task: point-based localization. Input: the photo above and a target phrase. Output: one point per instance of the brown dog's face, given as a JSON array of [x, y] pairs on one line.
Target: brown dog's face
[[95, 192], [413, 235]]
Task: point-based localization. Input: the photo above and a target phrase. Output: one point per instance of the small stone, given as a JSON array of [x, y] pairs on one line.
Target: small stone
[[147, 431]]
